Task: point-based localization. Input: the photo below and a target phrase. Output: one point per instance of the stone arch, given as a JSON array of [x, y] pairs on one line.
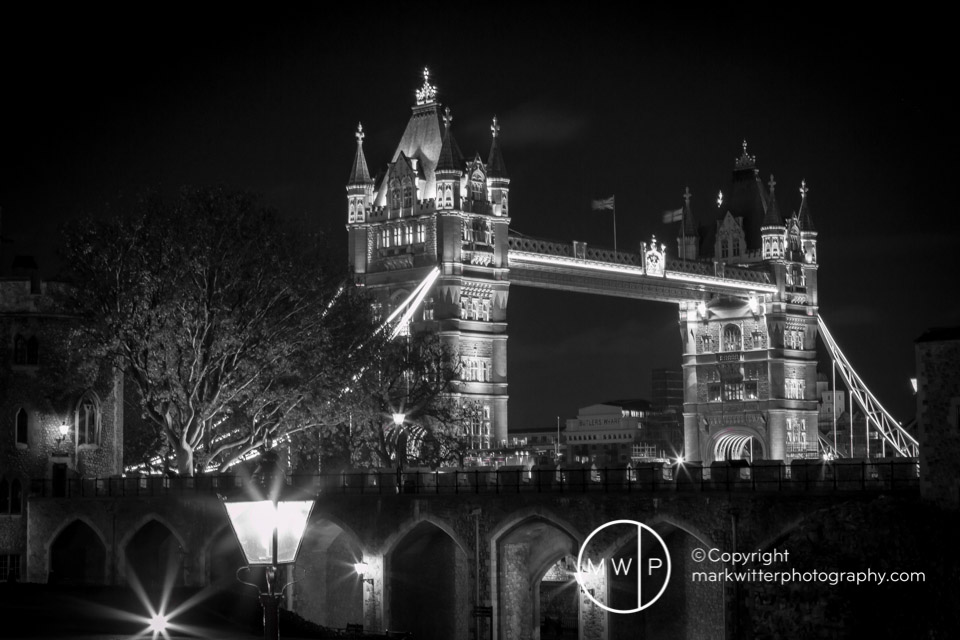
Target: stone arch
[[140, 555], [427, 585], [522, 548], [686, 608], [735, 435], [328, 590], [73, 557]]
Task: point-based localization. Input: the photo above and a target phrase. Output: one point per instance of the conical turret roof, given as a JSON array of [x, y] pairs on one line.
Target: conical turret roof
[[359, 174], [772, 217], [450, 159], [804, 217], [495, 166]]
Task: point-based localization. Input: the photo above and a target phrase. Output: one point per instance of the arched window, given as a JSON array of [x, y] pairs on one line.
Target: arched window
[[19, 350], [22, 426], [33, 350], [732, 338], [353, 213], [477, 187], [503, 201], [724, 248], [407, 195], [395, 194], [87, 422], [359, 213]]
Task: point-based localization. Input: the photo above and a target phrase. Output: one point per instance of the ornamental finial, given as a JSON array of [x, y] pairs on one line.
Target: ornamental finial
[[772, 183], [495, 127], [427, 93], [686, 194], [447, 118], [719, 199], [803, 189], [359, 134], [746, 161]]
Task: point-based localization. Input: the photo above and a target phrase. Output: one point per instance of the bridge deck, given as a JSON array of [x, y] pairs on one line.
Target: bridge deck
[[559, 265]]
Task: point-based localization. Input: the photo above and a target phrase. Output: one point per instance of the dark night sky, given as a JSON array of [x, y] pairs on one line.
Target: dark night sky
[[98, 107]]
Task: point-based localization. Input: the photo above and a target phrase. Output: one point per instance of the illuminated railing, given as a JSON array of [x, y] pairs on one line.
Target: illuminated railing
[[878, 474]]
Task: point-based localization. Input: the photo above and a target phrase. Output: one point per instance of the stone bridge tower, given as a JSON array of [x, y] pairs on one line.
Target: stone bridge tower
[[750, 364], [434, 208]]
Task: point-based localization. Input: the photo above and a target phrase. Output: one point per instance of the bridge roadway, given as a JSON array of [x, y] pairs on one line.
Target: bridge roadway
[[435, 548], [575, 267]]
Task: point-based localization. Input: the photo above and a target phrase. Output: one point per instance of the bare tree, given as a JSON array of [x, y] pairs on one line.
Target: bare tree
[[232, 331]]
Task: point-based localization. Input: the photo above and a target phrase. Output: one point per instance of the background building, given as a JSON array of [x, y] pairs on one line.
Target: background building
[[44, 385], [610, 434]]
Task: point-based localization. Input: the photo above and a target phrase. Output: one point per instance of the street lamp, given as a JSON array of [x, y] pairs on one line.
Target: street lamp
[[64, 429], [269, 529], [362, 568]]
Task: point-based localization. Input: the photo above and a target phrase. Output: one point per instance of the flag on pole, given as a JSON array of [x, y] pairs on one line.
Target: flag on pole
[[673, 216], [605, 204]]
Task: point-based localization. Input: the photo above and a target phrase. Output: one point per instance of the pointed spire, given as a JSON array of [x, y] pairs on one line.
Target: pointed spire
[[745, 161], [450, 159], [359, 174], [495, 166], [689, 222], [771, 218], [805, 219], [427, 94]]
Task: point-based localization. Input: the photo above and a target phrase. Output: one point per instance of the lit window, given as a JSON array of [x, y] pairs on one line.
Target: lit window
[[793, 339], [22, 422], [713, 392], [733, 391], [751, 390], [794, 388], [420, 233], [731, 338]]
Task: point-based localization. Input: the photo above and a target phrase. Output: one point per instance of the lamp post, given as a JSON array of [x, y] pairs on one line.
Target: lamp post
[[269, 528], [64, 429], [398, 420]]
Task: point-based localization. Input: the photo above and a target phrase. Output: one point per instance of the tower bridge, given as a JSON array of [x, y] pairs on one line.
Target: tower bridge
[[745, 285]]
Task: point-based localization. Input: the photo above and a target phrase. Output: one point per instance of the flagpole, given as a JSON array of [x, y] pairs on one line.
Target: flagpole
[[614, 198]]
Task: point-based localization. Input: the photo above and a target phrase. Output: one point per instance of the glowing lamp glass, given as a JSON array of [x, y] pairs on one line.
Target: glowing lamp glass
[[398, 418], [255, 523], [361, 567], [64, 430], [158, 623]]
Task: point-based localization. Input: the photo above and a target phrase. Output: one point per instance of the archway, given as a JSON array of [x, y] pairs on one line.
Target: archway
[[688, 608], [154, 557], [328, 590], [559, 603], [427, 579], [78, 556], [530, 560], [735, 443]]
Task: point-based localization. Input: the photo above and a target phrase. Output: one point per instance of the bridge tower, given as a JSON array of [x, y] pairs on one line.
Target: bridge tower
[[749, 362], [433, 208]]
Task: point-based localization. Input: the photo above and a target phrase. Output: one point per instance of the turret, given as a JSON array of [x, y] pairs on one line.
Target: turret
[[772, 230], [449, 168], [359, 185], [497, 180]]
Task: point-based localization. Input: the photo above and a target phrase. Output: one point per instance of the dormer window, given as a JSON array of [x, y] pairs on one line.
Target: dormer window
[[478, 189], [407, 195], [395, 195]]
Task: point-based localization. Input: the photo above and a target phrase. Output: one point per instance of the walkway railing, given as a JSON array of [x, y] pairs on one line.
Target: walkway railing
[[803, 475]]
